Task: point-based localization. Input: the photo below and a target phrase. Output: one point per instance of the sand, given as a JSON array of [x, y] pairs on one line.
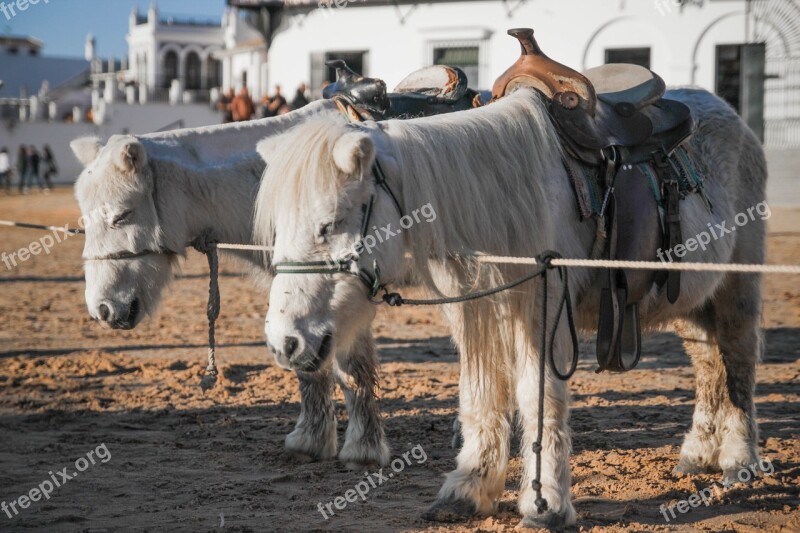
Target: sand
[[184, 461]]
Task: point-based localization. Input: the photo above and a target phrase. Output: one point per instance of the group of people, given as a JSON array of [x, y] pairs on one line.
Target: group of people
[[32, 167], [240, 106]]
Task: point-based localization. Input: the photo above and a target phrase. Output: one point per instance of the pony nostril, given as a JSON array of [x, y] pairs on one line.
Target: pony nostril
[[290, 345], [105, 312]]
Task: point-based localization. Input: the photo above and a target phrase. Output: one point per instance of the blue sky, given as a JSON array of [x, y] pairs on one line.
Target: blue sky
[[63, 24]]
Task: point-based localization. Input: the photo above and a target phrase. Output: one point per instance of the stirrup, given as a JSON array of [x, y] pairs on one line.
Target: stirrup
[[619, 339]]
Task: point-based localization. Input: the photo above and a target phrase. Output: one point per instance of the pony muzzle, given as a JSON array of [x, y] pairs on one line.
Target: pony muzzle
[[293, 353], [118, 316]]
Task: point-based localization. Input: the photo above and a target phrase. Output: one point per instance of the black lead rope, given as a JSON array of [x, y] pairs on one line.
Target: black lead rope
[[546, 353]]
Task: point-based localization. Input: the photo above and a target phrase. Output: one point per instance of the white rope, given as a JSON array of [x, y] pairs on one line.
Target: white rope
[[248, 247], [645, 265], [596, 263], [499, 259]]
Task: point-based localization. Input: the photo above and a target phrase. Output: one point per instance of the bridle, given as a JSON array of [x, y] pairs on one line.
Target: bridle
[[350, 264]]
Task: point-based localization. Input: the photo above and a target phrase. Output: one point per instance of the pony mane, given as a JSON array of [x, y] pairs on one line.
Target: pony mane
[[486, 173], [476, 166], [301, 168]]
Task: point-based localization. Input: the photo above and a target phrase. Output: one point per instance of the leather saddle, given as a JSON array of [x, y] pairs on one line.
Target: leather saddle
[[613, 117], [428, 91], [615, 105]]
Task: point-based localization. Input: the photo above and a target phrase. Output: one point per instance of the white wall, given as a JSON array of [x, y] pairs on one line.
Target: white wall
[[574, 32], [122, 118]]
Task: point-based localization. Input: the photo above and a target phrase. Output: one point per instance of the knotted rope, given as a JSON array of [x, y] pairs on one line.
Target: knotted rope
[[205, 244]]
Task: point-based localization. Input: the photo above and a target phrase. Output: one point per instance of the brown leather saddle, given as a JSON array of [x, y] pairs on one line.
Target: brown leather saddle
[[613, 117], [428, 91]]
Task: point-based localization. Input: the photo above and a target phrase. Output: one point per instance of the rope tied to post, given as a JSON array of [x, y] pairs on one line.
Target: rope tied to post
[[205, 244]]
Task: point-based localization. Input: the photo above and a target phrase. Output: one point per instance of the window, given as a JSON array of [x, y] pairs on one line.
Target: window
[[214, 73], [170, 69], [633, 56], [728, 84], [467, 58], [193, 71]]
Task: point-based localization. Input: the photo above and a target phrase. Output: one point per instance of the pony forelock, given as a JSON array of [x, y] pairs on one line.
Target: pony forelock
[[299, 169]]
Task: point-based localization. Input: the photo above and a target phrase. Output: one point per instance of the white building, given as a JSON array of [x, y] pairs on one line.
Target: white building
[[185, 59], [688, 42]]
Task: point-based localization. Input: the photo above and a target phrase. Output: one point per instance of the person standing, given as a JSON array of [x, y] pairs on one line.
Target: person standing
[[242, 106], [300, 98], [5, 170], [34, 166], [273, 105], [50, 167], [22, 168], [225, 104]]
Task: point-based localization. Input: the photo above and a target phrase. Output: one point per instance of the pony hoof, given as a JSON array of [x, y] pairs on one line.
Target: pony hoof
[[549, 520], [301, 457], [687, 467], [358, 466], [450, 510], [457, 441], [731, 477], [357, 458]]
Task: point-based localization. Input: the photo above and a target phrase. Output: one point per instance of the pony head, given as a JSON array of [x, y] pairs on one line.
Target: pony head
[[312, 207], [126, 260]]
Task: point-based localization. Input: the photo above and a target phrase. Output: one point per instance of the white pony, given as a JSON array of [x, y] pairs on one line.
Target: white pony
[[152, 194], [495, 179]]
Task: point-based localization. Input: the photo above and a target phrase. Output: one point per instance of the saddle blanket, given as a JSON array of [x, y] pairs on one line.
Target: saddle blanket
[[589, 190]]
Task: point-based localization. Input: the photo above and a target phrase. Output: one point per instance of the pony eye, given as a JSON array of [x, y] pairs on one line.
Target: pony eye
[[327, 229], [121, 218]]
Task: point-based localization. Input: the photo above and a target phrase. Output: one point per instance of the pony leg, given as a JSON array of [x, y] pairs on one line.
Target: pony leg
[[700, 445], [556, 441], [726, 383], [477, 483], [314, 436], [356, 373]]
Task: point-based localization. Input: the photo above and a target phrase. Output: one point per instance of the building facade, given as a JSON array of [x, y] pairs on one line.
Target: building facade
[[185, 60], [688, 42]]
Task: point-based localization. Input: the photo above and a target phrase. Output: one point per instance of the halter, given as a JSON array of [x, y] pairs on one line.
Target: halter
[[116, 256], [372, 281]]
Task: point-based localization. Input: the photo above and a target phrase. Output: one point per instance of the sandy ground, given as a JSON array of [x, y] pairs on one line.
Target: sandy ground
[[188, 462]]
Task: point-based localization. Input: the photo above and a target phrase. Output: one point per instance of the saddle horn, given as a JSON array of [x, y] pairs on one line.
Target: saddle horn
[[557, 82], [357, 96]]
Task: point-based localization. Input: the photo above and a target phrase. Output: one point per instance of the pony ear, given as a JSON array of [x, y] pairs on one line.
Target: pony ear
[[353, 152], [86, 149], [131, 156]]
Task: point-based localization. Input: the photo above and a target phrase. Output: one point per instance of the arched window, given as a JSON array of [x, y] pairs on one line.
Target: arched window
[[193, 71], [169, 71]]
